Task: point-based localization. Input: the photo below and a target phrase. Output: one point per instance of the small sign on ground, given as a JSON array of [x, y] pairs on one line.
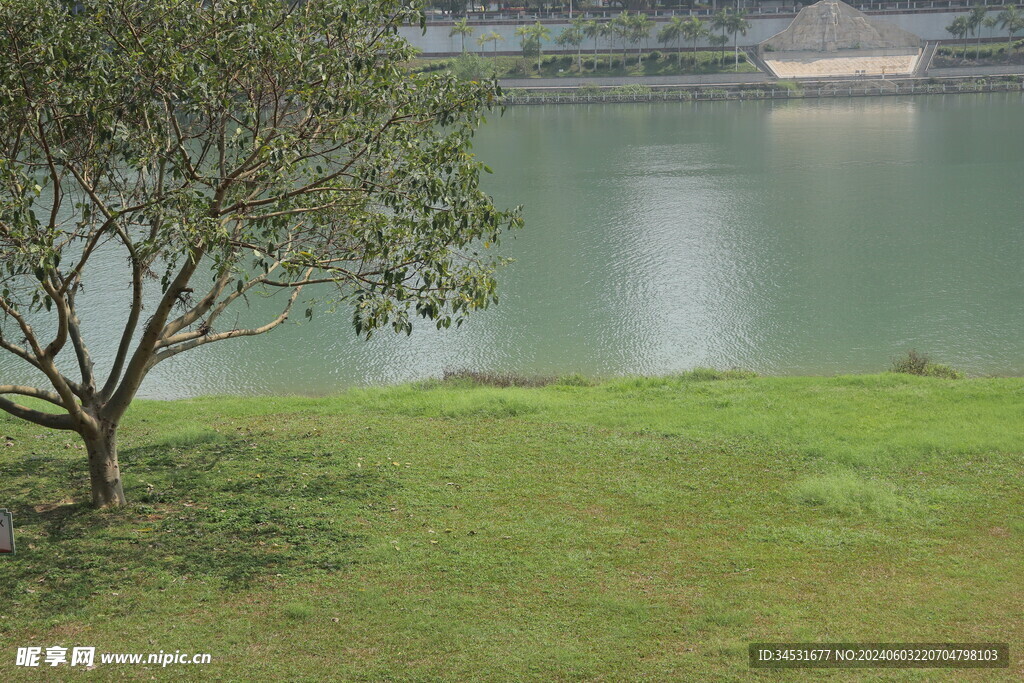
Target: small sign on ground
[[6, 532]]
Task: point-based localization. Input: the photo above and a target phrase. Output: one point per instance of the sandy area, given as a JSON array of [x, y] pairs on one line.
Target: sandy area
[[813, 65]]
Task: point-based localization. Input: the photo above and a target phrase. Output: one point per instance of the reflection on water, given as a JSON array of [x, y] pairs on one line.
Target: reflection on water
[[791, 237]]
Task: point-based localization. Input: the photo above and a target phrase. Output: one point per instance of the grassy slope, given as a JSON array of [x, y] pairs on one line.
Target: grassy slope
[[640, 529], [971, 54]]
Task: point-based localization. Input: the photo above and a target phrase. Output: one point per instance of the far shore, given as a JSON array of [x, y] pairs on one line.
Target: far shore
[[760, 89], [761, 79]]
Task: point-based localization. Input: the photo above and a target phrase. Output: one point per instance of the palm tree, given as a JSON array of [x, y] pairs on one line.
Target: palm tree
[[463, 29], [1011, 21], [671, 33], [609, 31], [640, 29], [974, 22], [580, 24], [592, 30], [737, 25], [492, 37], [534, 36], [719, 41], [621, 28], [693, 30], [523, 33], [720, 21], [990, 23], [959, 29], [573, 36]]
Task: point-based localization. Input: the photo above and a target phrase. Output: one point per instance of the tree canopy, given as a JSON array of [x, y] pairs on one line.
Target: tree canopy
[[222, 149]]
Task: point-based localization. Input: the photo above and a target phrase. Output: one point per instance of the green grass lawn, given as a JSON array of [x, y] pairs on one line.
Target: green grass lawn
[[608, 65], [638, 529]]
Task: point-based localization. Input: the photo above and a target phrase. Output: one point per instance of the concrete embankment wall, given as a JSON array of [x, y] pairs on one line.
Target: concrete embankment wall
[[436, 41], [768, 91]]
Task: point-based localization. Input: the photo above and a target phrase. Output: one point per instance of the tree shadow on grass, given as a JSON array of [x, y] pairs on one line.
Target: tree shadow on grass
[[207, 510]]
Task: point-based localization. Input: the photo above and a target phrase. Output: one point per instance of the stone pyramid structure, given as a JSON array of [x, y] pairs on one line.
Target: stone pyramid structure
[[831, 25]]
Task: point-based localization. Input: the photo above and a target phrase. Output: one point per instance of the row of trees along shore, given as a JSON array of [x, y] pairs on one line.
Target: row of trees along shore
[[1010, 19], [624, 30]]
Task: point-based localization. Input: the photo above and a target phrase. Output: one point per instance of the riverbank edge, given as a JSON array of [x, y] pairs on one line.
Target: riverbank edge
[[761, 90], [464, 379]]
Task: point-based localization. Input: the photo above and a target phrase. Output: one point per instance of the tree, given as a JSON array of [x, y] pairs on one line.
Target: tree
[[492, 37], [975, 20], [693, 30], [452, 6], [609, 31], [672, 32], [990, 23], [1011, 21], [737, 25], [719, 41], [531, 39], [622, 27], [720, 21], [462, 29], [594, 30], [470, 67], [640, 26], [572, 36], [580, 25], [959, 29], [218, 151]]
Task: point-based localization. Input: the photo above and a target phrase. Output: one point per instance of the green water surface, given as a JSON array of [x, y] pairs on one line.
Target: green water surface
[[810, 237]]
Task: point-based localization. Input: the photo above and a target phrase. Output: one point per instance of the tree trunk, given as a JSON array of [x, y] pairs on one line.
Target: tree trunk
[[104, 473]]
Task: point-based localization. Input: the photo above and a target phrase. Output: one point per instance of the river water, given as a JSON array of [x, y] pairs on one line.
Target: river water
[[802, 237]]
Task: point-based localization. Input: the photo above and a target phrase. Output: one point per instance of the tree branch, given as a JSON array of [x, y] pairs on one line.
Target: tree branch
[[198, 311], [23, 390], [133, 320], [61, 338], [141, 360], [85, 364], [38, 417], [19, 352], [195, 339]]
